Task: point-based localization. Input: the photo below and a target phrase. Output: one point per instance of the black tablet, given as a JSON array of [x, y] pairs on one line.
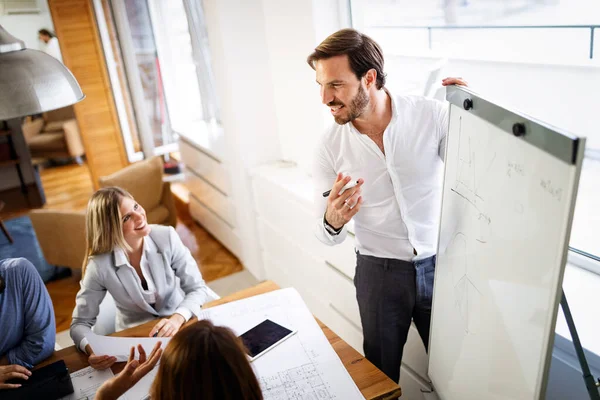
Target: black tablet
[[263, 337]]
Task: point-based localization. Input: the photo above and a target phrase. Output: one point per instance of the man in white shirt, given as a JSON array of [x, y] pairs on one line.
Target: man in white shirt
[[393, 148], [50, 43]]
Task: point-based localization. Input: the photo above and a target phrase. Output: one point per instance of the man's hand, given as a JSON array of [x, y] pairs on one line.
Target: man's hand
[[454, 81], [167, 327], [341, 209], [99, 362], [12, 372], [131, 374]]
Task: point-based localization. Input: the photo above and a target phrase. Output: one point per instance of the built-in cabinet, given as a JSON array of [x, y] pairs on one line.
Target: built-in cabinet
[[210, 201]]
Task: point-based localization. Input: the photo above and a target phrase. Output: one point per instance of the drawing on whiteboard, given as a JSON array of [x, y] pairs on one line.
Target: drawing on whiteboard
[[467, 296], [549, 187], [514, 168], [467, 185], [299, 383]]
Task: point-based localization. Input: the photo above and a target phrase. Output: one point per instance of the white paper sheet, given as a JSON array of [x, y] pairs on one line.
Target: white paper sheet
[[119, 347], [305, 365], [86, 382]]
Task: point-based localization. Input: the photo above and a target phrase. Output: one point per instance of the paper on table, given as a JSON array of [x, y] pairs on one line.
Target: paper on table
[[119, 347], [305, 365], [86, 382]]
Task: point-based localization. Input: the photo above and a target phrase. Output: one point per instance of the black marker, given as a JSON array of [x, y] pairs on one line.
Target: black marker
[[155, 334], [349, 185]]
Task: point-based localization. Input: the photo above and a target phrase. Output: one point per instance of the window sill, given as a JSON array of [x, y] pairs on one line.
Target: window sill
[[208, 137], [434, 55]]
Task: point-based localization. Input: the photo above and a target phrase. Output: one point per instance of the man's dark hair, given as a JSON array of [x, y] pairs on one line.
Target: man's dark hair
[[362, 51], [46, 32]]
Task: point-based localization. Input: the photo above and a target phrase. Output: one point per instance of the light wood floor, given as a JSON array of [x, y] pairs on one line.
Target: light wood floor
[[69, 187]]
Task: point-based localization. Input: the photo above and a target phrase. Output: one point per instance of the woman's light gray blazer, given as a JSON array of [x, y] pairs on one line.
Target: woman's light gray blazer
[[175, 273]]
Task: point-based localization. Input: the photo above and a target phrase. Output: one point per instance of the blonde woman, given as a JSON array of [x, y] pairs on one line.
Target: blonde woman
[[146, 268]]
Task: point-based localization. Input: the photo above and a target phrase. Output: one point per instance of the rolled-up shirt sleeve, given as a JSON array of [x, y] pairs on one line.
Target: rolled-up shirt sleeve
[[324, 176]]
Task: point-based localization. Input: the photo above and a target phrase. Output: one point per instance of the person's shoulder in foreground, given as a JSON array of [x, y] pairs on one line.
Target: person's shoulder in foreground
[[26, 314]]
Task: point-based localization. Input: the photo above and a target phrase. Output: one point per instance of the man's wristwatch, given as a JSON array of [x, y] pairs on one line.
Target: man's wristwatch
[[332, 231]]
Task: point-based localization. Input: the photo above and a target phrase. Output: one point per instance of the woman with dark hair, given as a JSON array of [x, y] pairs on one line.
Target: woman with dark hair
[[46, 34], [202, 361], [50, 43]]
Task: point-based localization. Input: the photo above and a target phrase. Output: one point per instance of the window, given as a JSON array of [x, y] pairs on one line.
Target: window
[[585, 233], [163, 81], [468, 34], [178, 68], [526, 30], [147, 73], [185, 60]]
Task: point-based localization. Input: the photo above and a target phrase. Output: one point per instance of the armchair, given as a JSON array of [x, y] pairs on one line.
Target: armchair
[[61, 235], [144, 180], [56, 135]]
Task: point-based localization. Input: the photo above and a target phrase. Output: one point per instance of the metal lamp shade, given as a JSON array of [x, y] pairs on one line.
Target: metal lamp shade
[[31, 81]]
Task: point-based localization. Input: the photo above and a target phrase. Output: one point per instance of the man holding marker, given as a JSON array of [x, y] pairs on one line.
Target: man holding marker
[[392, 148]]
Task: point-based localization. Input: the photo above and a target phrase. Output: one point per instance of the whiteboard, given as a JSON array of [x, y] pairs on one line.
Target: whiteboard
[[506, 215]]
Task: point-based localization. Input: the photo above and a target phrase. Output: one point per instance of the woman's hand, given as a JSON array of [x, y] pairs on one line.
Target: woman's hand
[[99, 362], [8, 372], [131, 374], [167, 327]]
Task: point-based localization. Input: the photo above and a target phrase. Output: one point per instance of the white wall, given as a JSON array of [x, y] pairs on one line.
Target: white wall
[[293, 29], [269, 99], [238, 45], [26, 26], [289, 40]]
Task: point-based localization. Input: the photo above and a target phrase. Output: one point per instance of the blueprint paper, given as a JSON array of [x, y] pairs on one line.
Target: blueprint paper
[[305, 366], [86, 382]]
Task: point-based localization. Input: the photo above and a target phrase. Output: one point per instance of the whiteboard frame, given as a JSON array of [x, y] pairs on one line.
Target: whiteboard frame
[[546, 137], [563, 145]]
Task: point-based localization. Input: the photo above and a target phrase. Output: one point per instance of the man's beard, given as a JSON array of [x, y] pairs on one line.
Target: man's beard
[[358, 105]]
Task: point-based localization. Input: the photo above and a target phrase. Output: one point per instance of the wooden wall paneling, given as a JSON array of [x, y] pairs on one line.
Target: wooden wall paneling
[[77, 32]]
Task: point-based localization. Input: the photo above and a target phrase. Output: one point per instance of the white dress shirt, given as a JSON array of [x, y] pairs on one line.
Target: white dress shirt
[[402, 191], [53, 48]]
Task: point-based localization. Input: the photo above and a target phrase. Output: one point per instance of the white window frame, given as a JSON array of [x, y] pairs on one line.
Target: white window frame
[[113, 75], [583, 260], [356, 6]]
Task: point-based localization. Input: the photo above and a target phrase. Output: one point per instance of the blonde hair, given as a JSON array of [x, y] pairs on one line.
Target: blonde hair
[[103, 225]]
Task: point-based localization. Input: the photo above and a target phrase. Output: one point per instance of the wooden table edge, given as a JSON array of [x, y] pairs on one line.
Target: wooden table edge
[[350, 358]]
